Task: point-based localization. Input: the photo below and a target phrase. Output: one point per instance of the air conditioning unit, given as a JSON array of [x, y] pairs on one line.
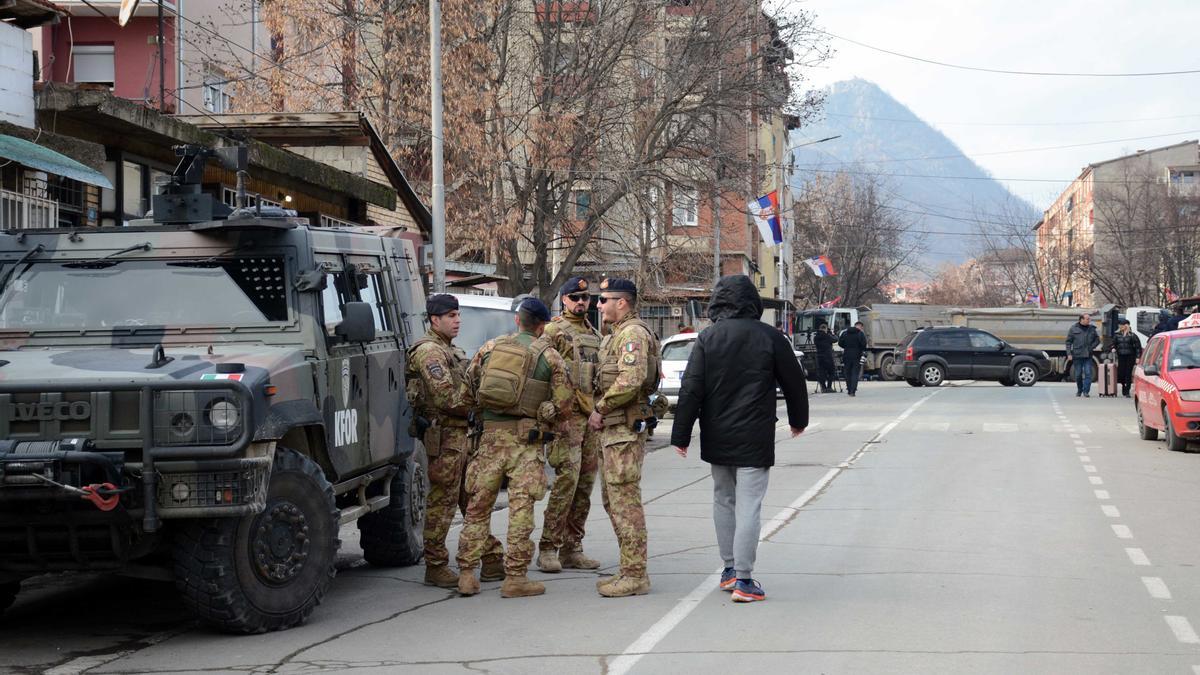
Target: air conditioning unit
[[676, 311]]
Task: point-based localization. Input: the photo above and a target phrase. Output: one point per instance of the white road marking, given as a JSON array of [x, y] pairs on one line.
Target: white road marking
[[1000, 427], [1081, 450], [942, 427], [1096, 480], [1182, 628], [1076, 441], [1138, 557], [661, 628], [1122, 531], [862, 426], [1157, 588], [86, 663], [1110, 510], [1102, 494], [1084, 458], [1090, 468]]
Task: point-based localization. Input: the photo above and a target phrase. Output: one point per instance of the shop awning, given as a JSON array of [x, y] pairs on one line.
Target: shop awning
[[37, 157]]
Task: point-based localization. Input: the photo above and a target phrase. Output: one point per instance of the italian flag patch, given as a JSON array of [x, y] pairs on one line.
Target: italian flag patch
[[237, 377]]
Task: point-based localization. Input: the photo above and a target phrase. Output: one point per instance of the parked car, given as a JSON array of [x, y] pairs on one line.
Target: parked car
[[1166, 388], [930, 356], [484, 317], [675, 353]]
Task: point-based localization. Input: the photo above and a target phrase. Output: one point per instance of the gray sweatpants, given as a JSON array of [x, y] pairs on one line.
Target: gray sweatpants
[[738, 493]]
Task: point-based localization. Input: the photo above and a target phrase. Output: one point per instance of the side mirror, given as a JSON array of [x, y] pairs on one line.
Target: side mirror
[[358, 322], [1002, 346], [1150, 371]]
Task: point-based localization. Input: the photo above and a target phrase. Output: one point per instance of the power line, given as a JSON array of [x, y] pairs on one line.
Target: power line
[[1004, 71]]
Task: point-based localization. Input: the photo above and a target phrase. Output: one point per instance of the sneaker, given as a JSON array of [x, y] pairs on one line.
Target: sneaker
[[1078, 394], [728, 579], [748, 590], [1087, 395]]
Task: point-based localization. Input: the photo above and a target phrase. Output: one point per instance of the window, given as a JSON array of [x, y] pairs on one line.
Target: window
[[373, 294], [984, 341], [1185, 353], [1153, 351], [333, 298], [678, 351], [216, 95], [583, 203], [94, 63], [683, 206], [133, 202]]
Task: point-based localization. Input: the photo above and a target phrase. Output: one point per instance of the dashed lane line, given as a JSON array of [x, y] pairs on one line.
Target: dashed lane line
[[1122, 531], [1182, 628], [1157, 588], [1101, 494], [1138, 557], [1096, 480], [1110, 510]]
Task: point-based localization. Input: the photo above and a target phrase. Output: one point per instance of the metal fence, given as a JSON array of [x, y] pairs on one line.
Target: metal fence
[[18, 211]]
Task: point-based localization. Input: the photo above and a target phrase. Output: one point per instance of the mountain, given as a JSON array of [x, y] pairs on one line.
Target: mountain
[[928, 179]]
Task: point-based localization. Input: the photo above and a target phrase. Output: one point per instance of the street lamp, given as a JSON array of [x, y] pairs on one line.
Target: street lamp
[[437, 169], [785, 251]]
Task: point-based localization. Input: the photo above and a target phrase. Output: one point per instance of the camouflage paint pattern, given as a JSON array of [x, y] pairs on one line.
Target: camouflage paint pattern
[[574, 455], [502, 453], [622, 496]]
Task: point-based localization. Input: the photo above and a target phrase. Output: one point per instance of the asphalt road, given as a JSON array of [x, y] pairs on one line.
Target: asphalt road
[[970, 528]]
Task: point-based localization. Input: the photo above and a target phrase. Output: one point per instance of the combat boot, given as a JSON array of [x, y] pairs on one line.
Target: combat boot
[[467, 583], [520, 587], [493, 569], [576, 560], [547, 560], [604, 581], [625, 586], [440, 576]]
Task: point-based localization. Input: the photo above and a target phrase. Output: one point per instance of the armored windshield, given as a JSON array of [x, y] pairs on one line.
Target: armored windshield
[[111, 294]]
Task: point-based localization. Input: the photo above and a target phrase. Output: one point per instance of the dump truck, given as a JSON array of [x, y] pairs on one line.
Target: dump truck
[[886, 325]]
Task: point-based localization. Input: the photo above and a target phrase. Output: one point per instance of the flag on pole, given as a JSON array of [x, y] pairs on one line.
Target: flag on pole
[[821, 266], [765, 210], [1032, 298], [831, 303], [1171, 295]]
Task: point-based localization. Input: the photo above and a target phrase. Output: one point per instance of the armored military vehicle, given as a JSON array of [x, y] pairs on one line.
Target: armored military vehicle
[[213, 397]]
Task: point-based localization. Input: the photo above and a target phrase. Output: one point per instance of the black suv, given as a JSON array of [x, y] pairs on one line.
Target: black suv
[[928, 357]]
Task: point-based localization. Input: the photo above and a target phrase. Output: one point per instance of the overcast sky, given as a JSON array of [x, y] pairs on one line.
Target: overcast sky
[[1047, 35]]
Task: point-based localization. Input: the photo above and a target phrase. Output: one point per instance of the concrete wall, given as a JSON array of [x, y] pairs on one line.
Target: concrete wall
[[16, 76]]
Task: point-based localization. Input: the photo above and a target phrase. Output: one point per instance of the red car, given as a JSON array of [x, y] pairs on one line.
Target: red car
[[1166, 388]]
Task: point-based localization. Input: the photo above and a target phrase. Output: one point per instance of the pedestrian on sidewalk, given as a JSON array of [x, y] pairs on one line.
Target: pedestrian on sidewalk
[[1128, 347], [854, 344], [1082, 340], [826, 370], [729, 386]]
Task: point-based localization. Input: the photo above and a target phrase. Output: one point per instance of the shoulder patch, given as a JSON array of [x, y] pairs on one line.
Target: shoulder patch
[[435, 370], [630, 359], [631, 347]]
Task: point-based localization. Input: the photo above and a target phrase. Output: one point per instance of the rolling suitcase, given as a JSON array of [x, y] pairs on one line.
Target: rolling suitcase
[[1106, 378]]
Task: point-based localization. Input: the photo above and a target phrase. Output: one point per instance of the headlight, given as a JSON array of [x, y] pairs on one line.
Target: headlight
[[1190, 395], [223, 415]]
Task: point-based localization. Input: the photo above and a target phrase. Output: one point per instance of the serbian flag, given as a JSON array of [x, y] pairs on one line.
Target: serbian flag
[[821, 266], [1032, 298], [831, 303], [1172, 296], [765, 210]]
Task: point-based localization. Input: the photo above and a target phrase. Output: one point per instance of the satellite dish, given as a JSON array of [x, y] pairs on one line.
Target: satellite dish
[[128, 7]]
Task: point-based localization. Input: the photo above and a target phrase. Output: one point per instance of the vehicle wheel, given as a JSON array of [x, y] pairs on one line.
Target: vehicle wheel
[[266, 571], [8, 594], [932, 375], [1147, 433], [1174, 443], [885, 369], [394, 536], [1006, 382], [913, 383], [1026, 375]]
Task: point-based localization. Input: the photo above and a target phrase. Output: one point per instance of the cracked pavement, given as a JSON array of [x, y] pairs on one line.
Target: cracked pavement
[[962, 550]]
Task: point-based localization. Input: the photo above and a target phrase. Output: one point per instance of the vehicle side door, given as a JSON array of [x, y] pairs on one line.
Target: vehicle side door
[[384, 360], [990, 357], [959, 353], [344, 400], [1150, 387]]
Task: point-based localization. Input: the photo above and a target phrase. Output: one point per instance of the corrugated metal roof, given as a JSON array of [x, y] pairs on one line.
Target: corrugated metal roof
[[35, 156]]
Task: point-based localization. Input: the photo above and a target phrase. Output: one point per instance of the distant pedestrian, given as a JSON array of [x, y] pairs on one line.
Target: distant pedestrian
[[1128, 347], [1082, 340], [1180, 315], [1164, 323], [729, 385], [854, 344], [826, 370]]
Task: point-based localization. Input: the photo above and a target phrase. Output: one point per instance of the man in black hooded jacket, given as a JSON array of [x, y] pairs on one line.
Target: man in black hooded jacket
[[854, 344], [729, 385]]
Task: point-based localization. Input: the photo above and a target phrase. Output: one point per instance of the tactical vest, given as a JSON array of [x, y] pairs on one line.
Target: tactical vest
[[507, 385], [585, 348], [414, 383], [611, 366]]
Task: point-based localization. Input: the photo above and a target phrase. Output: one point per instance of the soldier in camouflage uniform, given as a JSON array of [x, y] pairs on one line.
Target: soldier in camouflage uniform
[[575, 453], [523, 388], [629, 373], [442, 399]]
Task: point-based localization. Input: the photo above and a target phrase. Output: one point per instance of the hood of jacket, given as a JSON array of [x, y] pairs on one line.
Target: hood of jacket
[[735, 297]]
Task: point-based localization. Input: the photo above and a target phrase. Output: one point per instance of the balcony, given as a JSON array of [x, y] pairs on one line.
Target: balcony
[[18, 211]]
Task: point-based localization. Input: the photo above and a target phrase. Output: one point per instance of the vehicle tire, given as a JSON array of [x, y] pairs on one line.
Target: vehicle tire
[[1145, 432], [932, 375], [394, 535], [885, 369], [913, 383], [266, 571], [8, 594], [1025, 374], [1174, 443], [1006, 382]]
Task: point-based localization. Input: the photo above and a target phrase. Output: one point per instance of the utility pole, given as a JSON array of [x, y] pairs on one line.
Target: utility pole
[[438, 170], [716, 222], [162, 63]]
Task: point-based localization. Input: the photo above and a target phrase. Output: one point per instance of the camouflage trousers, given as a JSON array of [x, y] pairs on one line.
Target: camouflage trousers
[[502, 453], [621, 467], [447, 469], [575, 456]]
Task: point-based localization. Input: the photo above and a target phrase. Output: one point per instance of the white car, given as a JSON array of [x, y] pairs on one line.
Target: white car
[[483, 317], [675, 352]]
